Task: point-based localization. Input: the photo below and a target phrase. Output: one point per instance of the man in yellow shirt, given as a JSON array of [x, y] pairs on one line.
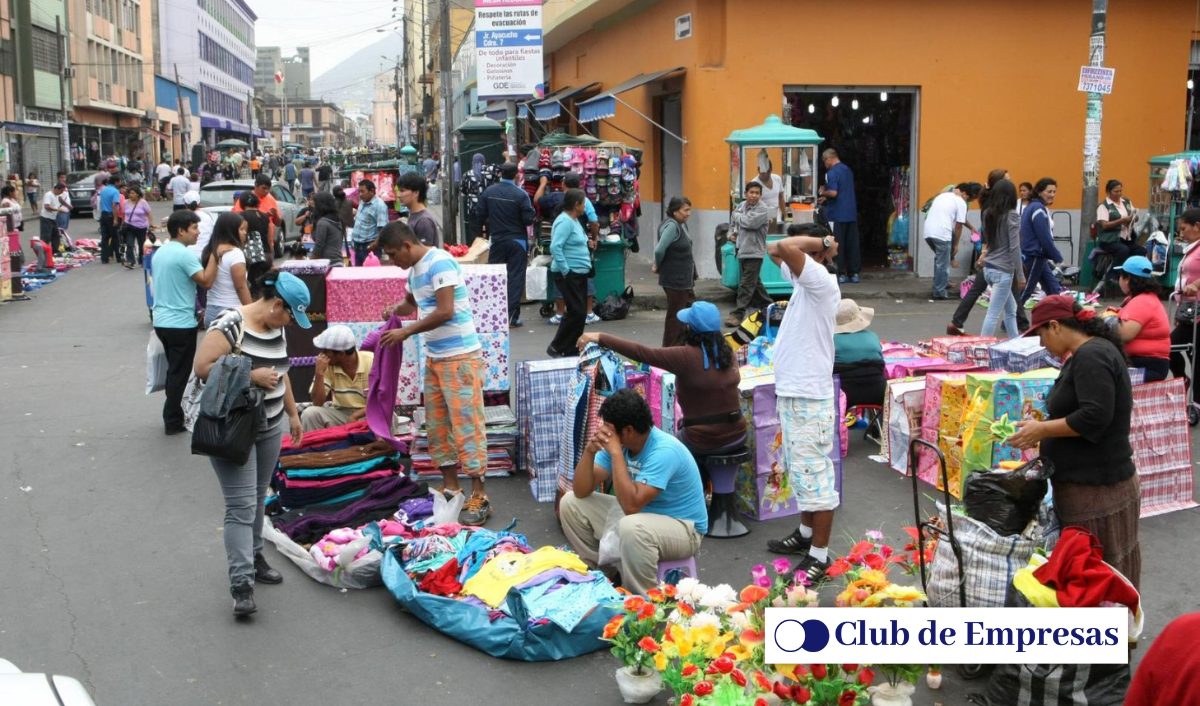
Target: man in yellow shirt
[[339, 389]]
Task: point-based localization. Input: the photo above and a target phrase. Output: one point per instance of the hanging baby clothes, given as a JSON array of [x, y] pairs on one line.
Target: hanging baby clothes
[[492, 583]]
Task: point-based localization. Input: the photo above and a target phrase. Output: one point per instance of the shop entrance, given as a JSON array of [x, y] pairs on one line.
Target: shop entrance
[[671, 150], [874, 131]]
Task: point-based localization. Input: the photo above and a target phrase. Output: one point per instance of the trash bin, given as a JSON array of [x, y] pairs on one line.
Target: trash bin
[[610, 269]]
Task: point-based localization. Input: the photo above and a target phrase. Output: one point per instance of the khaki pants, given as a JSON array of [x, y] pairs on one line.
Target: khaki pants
[[646, 538], [315, 418]]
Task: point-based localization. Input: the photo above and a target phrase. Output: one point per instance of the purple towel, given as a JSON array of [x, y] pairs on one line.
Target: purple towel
[[381, 499], [383, 383]]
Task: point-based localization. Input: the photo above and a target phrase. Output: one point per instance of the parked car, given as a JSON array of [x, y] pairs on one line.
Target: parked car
[[217, 197], [38, 689], [81, 187]]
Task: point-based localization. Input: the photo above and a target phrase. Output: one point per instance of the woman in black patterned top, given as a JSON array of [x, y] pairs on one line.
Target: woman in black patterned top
[[259, 326]]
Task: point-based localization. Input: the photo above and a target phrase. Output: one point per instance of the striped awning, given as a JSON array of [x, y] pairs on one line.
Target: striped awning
[[605, 104]]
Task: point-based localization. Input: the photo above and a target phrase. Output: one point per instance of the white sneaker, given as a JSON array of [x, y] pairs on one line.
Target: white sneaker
[[592, 319], [554, 320]]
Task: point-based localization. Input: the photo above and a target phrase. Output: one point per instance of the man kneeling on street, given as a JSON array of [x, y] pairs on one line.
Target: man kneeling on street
[[655, 482], [339, 389]]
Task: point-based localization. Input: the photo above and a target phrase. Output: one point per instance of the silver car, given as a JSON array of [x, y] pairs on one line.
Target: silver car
[[217, 198]]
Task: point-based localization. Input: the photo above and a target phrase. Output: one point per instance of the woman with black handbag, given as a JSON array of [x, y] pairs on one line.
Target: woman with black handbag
[[259, 326], [1187, 286]]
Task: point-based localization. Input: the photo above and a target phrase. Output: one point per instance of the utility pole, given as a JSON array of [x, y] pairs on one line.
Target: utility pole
[[1091, 131], [250, 119], [407, 111], [62, 93], [184, 135], [398, 90], [448, 196], [421, 75]]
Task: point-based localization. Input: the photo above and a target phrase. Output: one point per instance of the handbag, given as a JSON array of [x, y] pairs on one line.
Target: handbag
[[1185, 313], [231, 409], [255, 253]]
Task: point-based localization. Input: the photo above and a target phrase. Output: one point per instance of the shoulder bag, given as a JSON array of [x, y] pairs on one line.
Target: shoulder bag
[[231, 409]]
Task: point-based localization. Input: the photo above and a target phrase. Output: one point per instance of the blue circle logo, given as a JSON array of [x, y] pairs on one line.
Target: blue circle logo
[[795, 636]]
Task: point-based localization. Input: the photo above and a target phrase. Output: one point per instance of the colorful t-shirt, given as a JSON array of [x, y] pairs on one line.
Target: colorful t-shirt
[[665, 463], [438, 270], [1154, 340], [345, 391]]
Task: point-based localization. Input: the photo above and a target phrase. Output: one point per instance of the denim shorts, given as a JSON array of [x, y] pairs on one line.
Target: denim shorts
[[808, 438]]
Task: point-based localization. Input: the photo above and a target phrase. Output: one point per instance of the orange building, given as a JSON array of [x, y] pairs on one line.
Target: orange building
[[942, 91]]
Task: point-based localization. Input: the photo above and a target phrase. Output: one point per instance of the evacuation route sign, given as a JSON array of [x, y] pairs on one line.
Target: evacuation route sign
[[1096, 79], [508, 44]]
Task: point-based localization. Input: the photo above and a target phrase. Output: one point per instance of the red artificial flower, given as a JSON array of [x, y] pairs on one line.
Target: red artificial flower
[[687, 700], [710, 669], [873, 560], [723, 664], [634, 604], [763, 683], [738, 677], [800, 671], [861, 548], [886, 551], [847, 698], [782, 691], [648, 611], [866, 676], [760, 701], [655, 595], [648, 644], [703, 688], [689, 669], [818, 671], [839, 567], [799, 694], [669, 590], [686, 609], [850, 667]]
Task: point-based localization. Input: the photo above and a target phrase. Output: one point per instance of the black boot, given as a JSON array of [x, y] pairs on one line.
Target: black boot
[[243, 598], [263, 573]]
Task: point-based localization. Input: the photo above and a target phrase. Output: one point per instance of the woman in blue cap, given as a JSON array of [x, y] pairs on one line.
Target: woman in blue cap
[[706, 379], [258, 326], [1143, 321]]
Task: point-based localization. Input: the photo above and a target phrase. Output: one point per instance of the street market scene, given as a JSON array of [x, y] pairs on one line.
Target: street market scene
[[599, 352]]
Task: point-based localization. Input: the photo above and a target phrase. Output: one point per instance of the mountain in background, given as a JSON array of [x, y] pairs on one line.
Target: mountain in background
[[350, 84]]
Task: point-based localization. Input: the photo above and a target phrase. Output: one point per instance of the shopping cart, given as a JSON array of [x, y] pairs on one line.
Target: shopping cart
[[1188, 351], [935, 528]]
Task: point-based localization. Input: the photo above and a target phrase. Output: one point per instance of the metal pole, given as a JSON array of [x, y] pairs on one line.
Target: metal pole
[[1187, 140], [396, 87], [407, 111], [250, 119], [62, 93], [1091, 132], [449, 232], [184, 134]]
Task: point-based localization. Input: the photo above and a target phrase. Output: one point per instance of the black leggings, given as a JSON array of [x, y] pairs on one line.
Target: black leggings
[[1181, 335], [1156, 368]]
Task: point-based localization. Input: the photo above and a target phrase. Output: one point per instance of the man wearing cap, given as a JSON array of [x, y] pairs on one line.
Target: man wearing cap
[[339, 388], [177, 272], [804, 355]]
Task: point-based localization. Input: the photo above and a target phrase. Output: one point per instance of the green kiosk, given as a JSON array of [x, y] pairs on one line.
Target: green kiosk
[[792, 152], [476, 135]]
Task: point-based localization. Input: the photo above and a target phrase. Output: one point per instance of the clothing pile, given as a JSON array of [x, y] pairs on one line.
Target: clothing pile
[[336, 473], [501, 445]]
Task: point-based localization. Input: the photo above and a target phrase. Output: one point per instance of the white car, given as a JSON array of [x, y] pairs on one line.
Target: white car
[[17, 687], [217, 198]]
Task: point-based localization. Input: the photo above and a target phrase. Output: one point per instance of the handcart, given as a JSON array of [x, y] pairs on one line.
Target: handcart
[[543, 248], [966, 671], [1188, 351]]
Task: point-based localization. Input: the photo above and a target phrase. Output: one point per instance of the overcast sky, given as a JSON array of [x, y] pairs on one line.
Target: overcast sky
[[333, 31]]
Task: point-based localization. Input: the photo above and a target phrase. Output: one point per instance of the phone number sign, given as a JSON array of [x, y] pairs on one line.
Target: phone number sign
[[1096, 79]]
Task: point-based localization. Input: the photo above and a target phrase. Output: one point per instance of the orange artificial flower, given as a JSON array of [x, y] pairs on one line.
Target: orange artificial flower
[[634, 604], [648, 610], [648, 644], [669, 590], [655, 595], [752, 637], [686, 610], [753, 594], [613, 627]]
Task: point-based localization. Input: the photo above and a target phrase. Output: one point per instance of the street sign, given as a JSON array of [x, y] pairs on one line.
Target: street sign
[[508, 47], [1096, 79], [287, 133]]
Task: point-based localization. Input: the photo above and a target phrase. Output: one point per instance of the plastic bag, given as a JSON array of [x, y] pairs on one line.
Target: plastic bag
[[610, 541], [371, 260], [351, 573], [446, 511], [615, 307], [536, 283], [1007, 500], [156, 365]]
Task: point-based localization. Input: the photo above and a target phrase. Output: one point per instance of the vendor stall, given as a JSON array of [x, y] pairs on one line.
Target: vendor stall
[[790, 149]]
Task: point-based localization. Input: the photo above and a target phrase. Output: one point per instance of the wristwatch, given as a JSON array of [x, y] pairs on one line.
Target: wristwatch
[[827, 241]]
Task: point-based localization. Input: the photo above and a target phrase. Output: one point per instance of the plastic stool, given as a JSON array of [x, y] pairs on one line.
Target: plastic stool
[[723, 522], [685, 566]]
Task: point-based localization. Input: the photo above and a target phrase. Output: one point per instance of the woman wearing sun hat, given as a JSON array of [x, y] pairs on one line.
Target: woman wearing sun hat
[[1086, 433], [858, 355], [706, 378], [259, 326], [1143, 321]]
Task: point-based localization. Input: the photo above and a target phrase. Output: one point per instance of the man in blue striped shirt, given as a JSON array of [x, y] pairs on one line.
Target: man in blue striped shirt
[[453, 387], [372, 216]]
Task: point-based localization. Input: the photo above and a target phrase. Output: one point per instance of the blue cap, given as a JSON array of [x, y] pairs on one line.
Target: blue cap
[[1136, 266], [295, 294], [702, 317]]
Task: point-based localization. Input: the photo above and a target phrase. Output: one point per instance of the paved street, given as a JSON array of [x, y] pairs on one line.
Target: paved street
[[115, 570]]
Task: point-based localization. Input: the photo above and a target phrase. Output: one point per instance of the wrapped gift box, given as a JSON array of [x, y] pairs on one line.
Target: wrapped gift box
[[488, 287], [494, 352], [362, 293], [1021, 397], [904, 404], [953, 348], [976, 426], [904, 367], [1019, 355], [931, 420], [541, 398], [312, 273]]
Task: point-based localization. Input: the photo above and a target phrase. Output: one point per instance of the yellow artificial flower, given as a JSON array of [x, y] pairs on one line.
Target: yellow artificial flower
[[704, 634], [873, 577], [787, 670], [740, 652], [904, 594], [717, 648], [660, 661]]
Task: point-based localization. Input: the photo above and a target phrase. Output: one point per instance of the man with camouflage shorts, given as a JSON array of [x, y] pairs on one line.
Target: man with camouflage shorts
[[804, 390], [454, 418]]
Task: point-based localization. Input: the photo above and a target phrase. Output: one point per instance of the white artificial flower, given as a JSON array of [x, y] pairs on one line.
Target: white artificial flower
[[721, 596], [676, 618], [740, 620], [685, 590], [700, 620]]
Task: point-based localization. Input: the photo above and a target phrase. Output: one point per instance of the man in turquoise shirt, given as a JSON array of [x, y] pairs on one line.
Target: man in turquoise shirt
[[656, 484], [109, 202], [175, 273]]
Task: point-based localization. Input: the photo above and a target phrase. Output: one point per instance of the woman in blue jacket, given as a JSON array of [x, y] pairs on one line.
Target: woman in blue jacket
[[570, 266], [1037, 241]]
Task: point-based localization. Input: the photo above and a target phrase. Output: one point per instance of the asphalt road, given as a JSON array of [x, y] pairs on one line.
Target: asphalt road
[[114, 570]]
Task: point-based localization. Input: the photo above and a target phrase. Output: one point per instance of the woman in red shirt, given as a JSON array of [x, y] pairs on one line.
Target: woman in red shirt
[[1144, 327]]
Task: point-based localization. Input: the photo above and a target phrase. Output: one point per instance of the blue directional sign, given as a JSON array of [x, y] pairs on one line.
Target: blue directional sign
[[494, 38]]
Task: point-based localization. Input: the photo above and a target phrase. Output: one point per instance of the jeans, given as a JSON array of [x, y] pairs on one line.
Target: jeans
[[361, 250], [849, 258], [132, 240], [751, 293], [245, 490], [979, 285], [179, 344], [1002, 302], [1121, 251], [941, 265], [573, 288], [513, 255], [64, 221], [109, 242], [1182, 335]]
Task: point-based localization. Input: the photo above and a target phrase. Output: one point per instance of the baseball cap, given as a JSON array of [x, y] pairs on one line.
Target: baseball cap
[[1053, 308], [192, 197], [295, 294], [702, 317], [1137, 266], [336, 338]]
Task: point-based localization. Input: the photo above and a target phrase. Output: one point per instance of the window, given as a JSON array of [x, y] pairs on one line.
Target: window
[[8, 58], [45, 50], [211, 52]]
